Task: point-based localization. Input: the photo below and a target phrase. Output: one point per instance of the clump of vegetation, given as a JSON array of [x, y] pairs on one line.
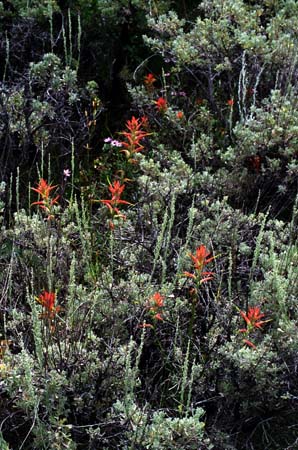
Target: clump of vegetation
[[149, 214]]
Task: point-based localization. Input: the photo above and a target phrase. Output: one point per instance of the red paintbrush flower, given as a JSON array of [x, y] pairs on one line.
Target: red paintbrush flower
[[157, 300], [155, 305], [253, 321], [116, 189], [252, 318], [200, 259], [161, 104], [149, 80], [133, 137], [47, 300], [44, 190]]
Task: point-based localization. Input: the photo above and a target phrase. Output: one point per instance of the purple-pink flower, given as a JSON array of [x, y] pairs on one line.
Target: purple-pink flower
[[113, 142], [116, 143]]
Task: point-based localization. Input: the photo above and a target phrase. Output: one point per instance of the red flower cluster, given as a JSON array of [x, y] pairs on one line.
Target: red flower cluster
[[133, 137], [252, 319], [116, 190], [44, 190], [161, 105], [149, 80], [47, 300], [155, 305], [200, 259]]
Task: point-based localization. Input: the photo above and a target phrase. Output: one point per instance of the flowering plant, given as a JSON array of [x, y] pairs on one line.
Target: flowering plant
[[154, 306], [252, 319], [116, 190], [44, 190], [200, 259], [133, 137], [161, 105], [47, 300], [149, 80]]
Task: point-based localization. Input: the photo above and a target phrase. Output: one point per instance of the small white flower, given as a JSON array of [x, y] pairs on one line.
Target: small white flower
[[66, 173]]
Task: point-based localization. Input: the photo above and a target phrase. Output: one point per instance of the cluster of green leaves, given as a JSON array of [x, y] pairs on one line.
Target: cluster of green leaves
[[242, 54]]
